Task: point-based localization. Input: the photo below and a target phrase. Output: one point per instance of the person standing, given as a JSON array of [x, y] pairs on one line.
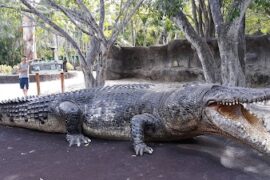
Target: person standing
[[24, 75], [65, 66]]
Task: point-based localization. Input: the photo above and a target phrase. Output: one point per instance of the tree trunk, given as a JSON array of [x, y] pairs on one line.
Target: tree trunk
[[87, 67], [89, 79], [211, 24], [96, 56], [101, 69], [242, 46], [29, 38], [207, 60], [205, 54], [144, 34], [194, 14], [230, 31], [200, 21], [133, 34], [231, 70]]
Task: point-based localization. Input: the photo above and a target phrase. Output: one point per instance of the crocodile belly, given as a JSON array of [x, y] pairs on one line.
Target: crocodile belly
[[109, 122]]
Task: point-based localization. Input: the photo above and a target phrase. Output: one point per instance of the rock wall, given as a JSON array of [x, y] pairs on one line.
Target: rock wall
[[177, 61]]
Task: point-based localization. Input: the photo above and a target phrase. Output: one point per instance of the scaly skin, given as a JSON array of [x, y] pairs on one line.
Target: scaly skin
[[146, 113]]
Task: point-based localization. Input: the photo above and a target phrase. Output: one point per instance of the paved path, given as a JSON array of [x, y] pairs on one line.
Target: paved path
[[31, 155], [13, 90]]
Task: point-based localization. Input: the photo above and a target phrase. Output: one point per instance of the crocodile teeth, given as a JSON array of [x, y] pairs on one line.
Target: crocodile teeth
[[264, 142], [240, 125]]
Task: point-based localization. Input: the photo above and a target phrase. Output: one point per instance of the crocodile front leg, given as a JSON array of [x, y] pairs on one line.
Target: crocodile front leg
[[73, 118], [139, 124]]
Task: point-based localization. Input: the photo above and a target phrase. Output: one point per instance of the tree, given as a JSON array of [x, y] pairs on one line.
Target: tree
[[10, 37], [174, 9], [82, 15], [228, 27], [148, 27], [29, 39], [203, 21], [229, 34]]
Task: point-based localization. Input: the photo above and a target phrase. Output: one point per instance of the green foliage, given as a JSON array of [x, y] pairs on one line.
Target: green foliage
[[232, 14], [150, 22], [169, 7], [262, 4], [258, 17], [42, 44], [10, 37]]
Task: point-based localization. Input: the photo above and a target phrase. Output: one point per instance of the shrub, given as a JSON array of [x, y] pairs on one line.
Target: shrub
[[15, 69], [5, 69], [69, 66]]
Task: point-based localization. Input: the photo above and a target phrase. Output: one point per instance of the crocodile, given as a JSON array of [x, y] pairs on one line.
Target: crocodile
[[144, 112]]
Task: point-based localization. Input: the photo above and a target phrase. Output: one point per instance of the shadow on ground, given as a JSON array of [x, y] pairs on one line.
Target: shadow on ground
[[27, 155]]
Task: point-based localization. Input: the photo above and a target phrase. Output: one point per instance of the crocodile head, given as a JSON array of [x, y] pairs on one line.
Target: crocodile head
[[240, 113]]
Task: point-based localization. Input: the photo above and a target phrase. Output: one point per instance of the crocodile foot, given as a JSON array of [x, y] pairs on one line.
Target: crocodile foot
[[142, 148], [77, 139]]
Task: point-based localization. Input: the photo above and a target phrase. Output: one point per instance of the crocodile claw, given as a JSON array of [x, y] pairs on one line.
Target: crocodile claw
[[77, 139], [142, 148]]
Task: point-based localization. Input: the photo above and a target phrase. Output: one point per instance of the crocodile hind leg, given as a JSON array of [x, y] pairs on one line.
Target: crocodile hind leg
[[139, 124], [73, 118]]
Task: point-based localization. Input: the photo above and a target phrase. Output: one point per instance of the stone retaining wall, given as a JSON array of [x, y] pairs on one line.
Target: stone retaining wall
[[177, 61]]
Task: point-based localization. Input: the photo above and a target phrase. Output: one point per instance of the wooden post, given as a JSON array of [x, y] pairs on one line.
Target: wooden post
[[62, 77], [38, 83]]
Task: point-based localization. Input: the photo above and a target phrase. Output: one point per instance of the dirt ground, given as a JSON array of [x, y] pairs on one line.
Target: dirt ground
[[32, 155]]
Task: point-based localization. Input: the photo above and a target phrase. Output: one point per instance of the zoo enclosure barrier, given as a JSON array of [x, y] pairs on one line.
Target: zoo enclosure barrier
[[62, 81]]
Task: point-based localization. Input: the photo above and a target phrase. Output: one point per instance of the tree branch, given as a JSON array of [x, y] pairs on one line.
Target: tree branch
[[57, 28], [30, 17], [42, 25], [125, 7], [194, 12], [206, 19], [102, 15], [242, 6], [16, 8], [126, 19], [92, 22], [216, 14], [203, 50], [71, 17]]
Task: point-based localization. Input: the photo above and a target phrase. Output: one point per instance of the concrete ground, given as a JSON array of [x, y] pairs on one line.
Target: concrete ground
[[13, 90], [32, 155]]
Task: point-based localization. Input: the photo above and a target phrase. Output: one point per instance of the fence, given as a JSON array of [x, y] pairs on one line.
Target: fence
[[62, 82]]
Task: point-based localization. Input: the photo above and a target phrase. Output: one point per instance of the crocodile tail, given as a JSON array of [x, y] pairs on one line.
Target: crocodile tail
[[23, 108]]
